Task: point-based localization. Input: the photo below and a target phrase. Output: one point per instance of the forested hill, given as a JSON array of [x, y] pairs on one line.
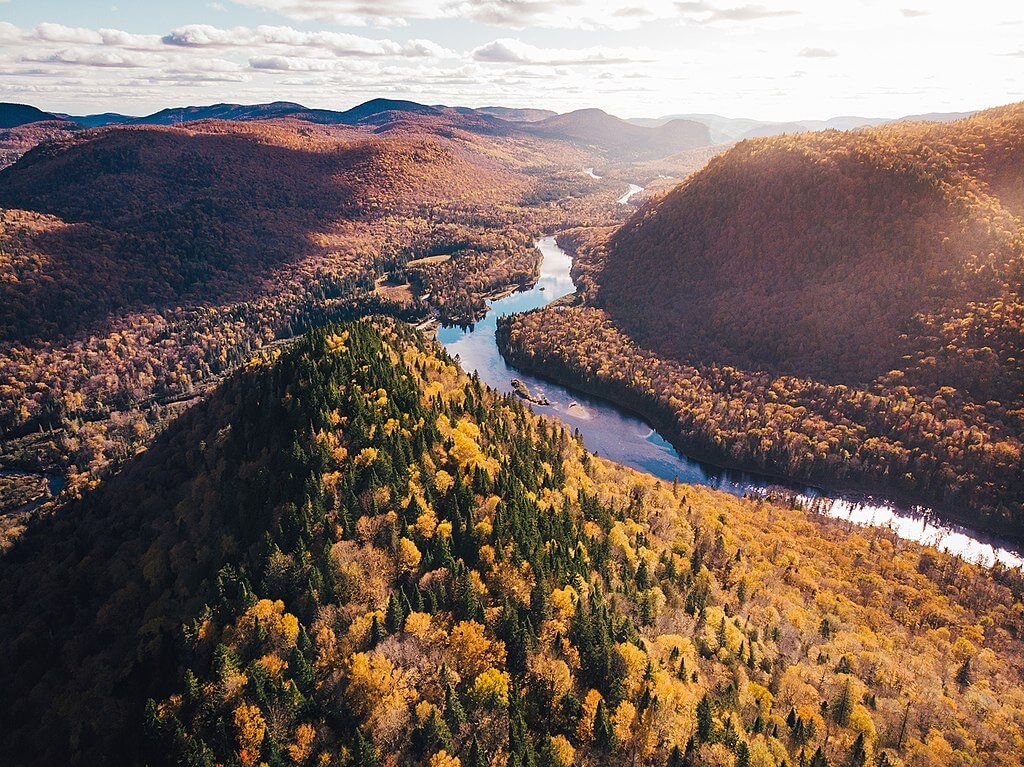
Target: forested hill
[[843, 308], [352, 555], [845, 250]]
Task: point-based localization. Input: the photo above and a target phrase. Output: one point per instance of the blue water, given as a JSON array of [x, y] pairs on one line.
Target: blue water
[[626, 439]]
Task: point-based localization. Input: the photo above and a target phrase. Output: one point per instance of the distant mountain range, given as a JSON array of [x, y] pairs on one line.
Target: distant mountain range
[[639, 138], [590, 128], [728, 129], [15, 115]]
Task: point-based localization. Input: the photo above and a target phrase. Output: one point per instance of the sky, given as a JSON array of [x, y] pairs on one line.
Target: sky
[[768, 60]]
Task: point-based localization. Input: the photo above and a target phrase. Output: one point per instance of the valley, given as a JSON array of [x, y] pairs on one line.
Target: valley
[[286, 477], [822, 335]]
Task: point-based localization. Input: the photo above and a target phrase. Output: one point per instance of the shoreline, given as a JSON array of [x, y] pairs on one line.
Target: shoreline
[[851, 491]]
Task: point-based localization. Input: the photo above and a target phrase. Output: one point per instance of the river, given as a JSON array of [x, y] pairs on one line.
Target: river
[[622, 437]]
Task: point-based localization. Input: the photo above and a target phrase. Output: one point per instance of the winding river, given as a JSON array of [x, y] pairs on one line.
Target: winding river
[[622, 437]]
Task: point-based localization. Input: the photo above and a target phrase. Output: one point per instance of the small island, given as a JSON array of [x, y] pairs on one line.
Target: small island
[[523, 391]]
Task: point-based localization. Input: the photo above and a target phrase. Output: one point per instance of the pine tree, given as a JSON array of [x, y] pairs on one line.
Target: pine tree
[[454, 713], [394, 618], [604, 735], [377, 632], [705, 720], [963, 674], [476, 755], [742, 754], [363, 752], [858, 753], [842, 707]]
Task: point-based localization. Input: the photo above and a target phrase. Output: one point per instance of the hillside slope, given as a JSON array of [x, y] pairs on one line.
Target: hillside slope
[[14, 115], [621, 139], [138, 264], [831, 242], [352, 554], [842, 307]]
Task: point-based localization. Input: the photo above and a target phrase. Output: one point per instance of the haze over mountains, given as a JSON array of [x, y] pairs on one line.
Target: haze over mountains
[[725, 130], [595, 126]]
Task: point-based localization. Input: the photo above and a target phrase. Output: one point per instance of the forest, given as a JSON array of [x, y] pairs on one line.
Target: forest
[[843, 307], [351, 553], [139, 265]]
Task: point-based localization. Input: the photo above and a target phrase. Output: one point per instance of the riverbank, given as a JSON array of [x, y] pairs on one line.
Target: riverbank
[[867, 492], [626, 430]]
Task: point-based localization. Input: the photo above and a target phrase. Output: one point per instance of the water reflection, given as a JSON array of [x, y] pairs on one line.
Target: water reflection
[[619, 436]]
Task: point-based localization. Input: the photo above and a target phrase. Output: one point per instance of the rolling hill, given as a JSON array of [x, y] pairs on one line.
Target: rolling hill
[[140, 263], [594, 127], [352, 554], [13, 115], [836, 306], [725, 130]]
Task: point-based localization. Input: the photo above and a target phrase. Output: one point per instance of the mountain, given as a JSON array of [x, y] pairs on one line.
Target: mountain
[[517, 115], [100, 120], [156, 216], [14, 142], [596, 128], [141, 263], [254, 112], [375, 108], [725, 130], [241, 112], [842, 306], [353, 554], [13, 115]]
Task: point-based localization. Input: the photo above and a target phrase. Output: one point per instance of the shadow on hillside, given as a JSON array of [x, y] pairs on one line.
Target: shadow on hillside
[[163, 218]]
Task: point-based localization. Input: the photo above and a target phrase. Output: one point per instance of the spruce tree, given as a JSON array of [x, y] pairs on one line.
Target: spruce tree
[[705, 720]]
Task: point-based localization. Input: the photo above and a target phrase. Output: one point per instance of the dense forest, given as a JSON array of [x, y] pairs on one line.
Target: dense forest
[[352, 554], [837, 306], [138, 265]]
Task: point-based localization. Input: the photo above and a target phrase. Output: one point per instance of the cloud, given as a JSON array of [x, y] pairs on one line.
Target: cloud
[[519, 14], [95, 58], [289, 64], [748, 13], [512, 51], [817, 53], [9, 33], [336, 43], [58, 33], [705, 12], [912, 13]]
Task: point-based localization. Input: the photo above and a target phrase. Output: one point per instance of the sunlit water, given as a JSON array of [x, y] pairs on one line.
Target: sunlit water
[[615, 434], [633, 189]]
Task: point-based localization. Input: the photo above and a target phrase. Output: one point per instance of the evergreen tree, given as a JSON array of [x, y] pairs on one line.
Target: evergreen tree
[[363, 752], [476, 755], [705, 720], [604, 735], [858, 752], [963, 674], [842, 707], [742, 754], [454, 713]]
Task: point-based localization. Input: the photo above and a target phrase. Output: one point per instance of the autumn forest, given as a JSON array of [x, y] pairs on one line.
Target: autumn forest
[[253, 513]]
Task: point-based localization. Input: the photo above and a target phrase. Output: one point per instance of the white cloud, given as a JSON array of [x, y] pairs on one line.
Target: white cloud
[[290, 64], [513, 51], [96, 58], [58, 33], [337, 43], [817, 53], [520, 14]]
